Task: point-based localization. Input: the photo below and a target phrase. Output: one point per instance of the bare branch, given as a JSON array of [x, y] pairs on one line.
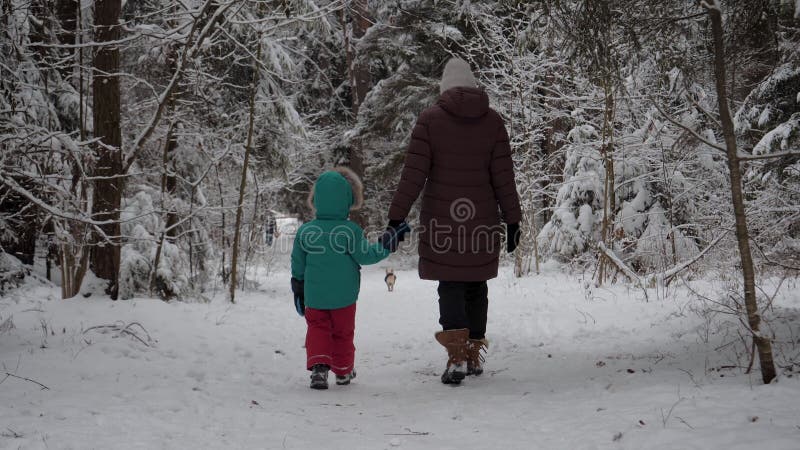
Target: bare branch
[[696, 135], [745, 157], [163, 99]]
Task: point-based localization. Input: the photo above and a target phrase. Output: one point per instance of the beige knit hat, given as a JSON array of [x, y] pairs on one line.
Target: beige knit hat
[[457, 73]]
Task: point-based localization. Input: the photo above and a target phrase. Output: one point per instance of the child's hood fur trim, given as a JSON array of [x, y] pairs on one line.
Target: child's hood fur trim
[[355, 184]]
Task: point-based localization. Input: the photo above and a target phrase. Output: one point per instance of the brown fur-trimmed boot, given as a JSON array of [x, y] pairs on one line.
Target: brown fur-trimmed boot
[[455, 341], [475, 358]]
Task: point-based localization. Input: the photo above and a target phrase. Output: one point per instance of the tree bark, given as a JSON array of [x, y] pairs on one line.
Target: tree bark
[[166, 197], [223, 236], [609, 189], [762, 343], [108, 188], [169, 181], [358, 74], [73, 255], [67, 12]]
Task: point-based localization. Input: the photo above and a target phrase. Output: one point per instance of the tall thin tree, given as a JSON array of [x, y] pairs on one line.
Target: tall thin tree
[[243, 180], [761, 342]]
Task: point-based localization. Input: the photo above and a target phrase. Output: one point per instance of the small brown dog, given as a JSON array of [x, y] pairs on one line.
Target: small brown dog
[[390, 279]]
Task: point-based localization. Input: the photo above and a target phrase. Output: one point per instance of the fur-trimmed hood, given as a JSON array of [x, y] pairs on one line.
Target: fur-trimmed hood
[[336, 193]]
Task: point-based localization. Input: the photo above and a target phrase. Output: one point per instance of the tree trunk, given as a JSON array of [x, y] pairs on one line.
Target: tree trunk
[[168, 185], [73, 255], [609, 195], [166, 203], [223, 236], [243, 181], [358, 74], [169, 181], [254, 229], [742, 236], [108, 188], [67, 12], [553, 167]]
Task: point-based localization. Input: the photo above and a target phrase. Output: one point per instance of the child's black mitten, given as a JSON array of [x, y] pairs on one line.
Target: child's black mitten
[[298, 288]]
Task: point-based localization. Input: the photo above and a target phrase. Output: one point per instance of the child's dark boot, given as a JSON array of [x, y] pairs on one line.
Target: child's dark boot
[[319, 376], [345, 379]]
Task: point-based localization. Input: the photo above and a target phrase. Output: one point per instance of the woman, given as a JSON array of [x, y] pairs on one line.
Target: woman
[[460, 156]]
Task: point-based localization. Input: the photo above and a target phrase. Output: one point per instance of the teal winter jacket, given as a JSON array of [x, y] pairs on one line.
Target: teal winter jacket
[[329, 251]]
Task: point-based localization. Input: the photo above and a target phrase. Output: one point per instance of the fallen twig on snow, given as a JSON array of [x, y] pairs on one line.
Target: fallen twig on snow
[[11, 375], [121, 328], [410, 433], [11, 434], [684, 422]]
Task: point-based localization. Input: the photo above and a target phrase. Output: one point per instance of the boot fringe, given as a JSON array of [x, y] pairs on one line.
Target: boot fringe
[[476, 350]]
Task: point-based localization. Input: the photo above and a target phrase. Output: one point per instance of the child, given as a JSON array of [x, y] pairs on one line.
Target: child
[[326, 262]]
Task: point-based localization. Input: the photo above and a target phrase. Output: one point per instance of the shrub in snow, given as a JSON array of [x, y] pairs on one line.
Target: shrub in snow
[[651, 201], [634, 196], [135, 266], [767, 123], [771, 103], [172, 278], [784, 137], [632, 217], [574, 224], [139, 253], [661, 245], [12, 273]]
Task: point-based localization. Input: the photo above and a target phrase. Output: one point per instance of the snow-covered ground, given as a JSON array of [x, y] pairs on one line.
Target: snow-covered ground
[[569, 367]]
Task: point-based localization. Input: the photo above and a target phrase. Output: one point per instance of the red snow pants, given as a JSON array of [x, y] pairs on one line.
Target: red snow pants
[[329, 339]]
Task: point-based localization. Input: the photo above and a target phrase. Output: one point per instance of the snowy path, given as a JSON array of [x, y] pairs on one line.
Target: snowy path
[[231, 377]]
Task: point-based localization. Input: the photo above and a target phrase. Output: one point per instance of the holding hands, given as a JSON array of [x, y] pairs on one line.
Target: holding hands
[[394, 234]]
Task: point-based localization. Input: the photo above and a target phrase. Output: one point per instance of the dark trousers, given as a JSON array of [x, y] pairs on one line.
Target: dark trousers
[[464, 304]]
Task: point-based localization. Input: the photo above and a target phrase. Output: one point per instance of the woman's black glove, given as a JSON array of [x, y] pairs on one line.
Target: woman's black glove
[[298, 289], [394, 234], [394, 225], [512, 237]]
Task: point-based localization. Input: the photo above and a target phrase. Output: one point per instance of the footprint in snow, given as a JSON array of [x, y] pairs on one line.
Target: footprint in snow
[[196, 375]]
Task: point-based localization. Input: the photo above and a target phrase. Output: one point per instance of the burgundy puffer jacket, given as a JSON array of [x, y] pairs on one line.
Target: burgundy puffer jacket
[[459, 154]]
